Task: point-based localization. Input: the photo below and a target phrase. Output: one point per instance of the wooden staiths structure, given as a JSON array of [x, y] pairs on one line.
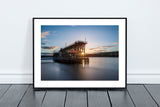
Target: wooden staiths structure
[[76, 49], [73, 53]]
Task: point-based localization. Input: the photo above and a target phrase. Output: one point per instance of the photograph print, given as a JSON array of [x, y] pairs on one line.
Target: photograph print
[[80, 53]]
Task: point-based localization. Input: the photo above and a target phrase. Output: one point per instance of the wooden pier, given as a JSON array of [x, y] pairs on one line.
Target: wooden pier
[[74, 53], [70, 60]]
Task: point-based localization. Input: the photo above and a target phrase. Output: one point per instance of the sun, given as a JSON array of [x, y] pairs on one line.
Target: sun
[[82, 53]]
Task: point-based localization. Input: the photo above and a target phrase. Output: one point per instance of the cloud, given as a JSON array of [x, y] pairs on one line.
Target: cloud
[[54, 31], [44, 34], [46, 54], [102, 47], [101, 50], [49, 47], [44, 44], [45, 40]]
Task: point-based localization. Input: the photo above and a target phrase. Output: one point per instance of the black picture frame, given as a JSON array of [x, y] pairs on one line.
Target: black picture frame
[[33, 26]]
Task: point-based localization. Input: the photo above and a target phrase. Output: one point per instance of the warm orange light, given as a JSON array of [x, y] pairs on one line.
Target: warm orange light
[[82, 53]]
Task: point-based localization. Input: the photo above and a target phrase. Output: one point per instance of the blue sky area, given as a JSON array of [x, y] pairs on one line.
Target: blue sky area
[[99, 38]]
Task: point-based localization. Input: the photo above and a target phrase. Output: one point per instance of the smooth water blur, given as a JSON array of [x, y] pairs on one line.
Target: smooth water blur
[[99, 68]]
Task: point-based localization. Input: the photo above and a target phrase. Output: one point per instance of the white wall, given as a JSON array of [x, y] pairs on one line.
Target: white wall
[[16, 33]]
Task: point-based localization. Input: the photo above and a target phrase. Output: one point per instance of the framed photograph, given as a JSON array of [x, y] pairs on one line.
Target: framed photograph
[[79, 52]]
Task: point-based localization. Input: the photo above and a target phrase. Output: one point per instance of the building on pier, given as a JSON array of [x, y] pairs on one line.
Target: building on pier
[[76, 49], [74, 53]]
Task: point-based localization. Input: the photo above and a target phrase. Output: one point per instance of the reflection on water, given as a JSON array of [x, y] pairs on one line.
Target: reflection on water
[[98, 68], [83, 63]]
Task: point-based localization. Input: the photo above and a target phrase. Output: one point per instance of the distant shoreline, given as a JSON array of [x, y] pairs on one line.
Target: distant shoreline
[[86, 56], [102, 54]]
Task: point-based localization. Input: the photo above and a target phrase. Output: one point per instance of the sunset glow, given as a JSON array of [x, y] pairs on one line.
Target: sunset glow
[[99, 38]]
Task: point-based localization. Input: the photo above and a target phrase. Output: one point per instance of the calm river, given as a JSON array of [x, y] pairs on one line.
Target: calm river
[[99, 68]]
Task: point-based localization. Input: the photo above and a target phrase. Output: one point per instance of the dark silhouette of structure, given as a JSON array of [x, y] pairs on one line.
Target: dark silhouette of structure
[[74, 53]]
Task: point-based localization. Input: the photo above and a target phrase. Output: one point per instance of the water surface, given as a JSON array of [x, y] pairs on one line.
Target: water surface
[[99, 68]]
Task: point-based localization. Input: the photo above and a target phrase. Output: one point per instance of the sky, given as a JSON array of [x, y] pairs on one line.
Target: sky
[[100, 38]]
